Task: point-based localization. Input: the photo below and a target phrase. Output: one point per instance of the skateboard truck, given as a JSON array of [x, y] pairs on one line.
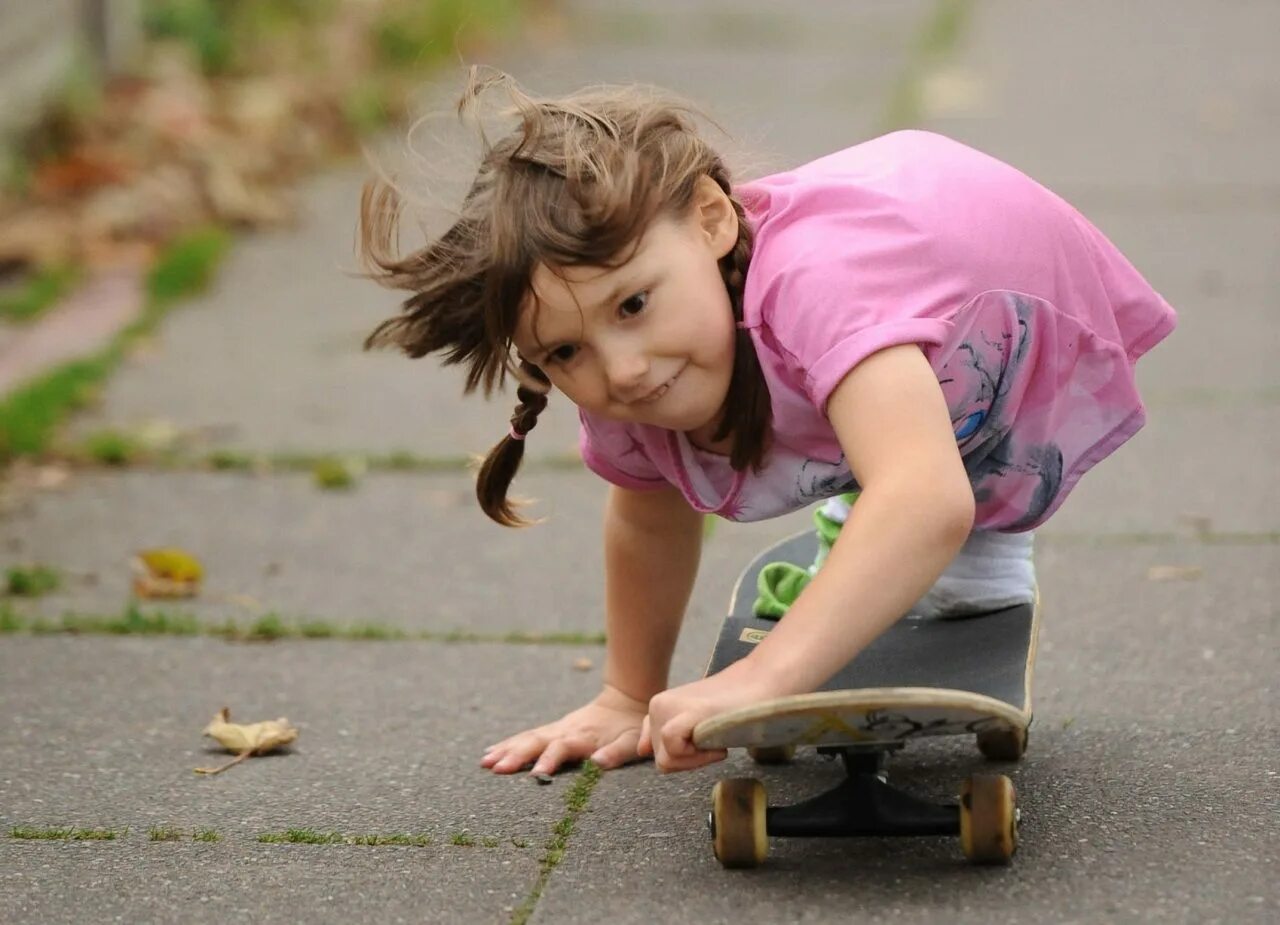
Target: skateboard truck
[[863, 804]]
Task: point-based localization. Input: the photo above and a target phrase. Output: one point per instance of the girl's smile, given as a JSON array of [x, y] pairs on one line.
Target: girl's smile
[[660, 390]]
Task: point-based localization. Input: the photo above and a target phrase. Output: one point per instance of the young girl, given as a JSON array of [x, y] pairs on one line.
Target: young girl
[[909, 318]]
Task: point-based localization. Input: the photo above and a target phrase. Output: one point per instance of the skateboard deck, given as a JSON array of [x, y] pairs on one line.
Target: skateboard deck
[[922, 677]]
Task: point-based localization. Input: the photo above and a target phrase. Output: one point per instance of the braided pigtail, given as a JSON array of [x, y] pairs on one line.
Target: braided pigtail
[[751, 411], [502, 463]]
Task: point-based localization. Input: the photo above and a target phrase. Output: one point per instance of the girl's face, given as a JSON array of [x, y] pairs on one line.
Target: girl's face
[[650, 341]]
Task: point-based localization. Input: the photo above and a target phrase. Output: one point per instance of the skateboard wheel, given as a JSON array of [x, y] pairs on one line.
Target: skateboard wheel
[[738, 833], [1003, 744], [772, 754], [988, 819]]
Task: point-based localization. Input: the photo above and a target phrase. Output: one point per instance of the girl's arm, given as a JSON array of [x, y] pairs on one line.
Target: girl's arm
[[914, 513], [652, 543]]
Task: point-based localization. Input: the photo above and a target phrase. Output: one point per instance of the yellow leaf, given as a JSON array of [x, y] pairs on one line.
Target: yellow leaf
[[245, 740], [165, 573]]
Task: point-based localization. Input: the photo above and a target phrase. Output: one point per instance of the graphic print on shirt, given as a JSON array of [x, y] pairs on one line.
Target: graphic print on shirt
[[817, 480], [984, 381]]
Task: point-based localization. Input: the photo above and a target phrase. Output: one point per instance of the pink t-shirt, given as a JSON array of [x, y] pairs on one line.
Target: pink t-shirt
[[1031, 319]]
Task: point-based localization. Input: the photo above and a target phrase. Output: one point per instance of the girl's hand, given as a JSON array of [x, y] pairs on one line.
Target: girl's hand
[[673, 715], [607, 730]]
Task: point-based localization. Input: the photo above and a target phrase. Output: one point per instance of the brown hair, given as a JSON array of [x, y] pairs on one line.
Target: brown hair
[[576, 183]]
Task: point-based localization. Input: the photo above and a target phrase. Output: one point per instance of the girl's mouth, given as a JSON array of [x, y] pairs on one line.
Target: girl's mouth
[[660, 390]]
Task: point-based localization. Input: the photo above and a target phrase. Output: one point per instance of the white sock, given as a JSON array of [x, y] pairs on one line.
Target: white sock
[[836, 509], [992, 571]]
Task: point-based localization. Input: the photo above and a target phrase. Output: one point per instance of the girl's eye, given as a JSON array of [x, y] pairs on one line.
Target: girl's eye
[[635, 304], [562, 354]]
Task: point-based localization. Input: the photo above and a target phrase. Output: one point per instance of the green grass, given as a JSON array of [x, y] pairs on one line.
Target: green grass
[[313, 837], [334, 475], [417, 841], [301, 837], [30, 415], [36, 294], [164, 833], [68, 834], [113, 448], [31, 581], [136, 621], [205, 835], [575, 802]]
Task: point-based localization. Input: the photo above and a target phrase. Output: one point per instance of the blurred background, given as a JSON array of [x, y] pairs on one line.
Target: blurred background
[[182, 313]]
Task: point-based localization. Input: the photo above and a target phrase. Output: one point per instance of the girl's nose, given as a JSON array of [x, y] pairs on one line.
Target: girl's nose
[[626, 371]]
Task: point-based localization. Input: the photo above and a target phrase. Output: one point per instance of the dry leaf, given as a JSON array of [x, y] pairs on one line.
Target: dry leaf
[[582, 664], [247, 740], [1174, 572], [166, 573]]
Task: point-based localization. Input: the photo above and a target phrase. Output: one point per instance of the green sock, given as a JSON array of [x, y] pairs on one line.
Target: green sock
[[777, 588], [780, 583], [828, 530]]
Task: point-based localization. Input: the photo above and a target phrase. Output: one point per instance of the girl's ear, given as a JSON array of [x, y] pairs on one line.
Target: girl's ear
[[715, 215]]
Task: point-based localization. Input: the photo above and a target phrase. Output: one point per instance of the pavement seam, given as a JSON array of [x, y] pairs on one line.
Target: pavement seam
[[575, 802], [296, 835], [133, 621], [118, 450]]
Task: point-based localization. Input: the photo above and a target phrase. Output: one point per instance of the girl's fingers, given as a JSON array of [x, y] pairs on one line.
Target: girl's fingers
[[675, 751], [697, 760], [644, 747], [676, 736], [560, 751], [524, 750], [619, 751]]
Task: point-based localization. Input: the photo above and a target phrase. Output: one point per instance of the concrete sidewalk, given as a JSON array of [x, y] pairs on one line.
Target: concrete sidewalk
[[1149, 790]]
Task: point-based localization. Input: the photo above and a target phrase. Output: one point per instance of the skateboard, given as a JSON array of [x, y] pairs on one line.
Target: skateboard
[[923, 677]]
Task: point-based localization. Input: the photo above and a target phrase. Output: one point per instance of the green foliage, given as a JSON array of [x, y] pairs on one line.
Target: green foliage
[[38, 292], [10, 621], [368, 106], [200, 24], [35, 581], [187, 265], [415, 34], [112, 448], [30, 414], [224, 34]]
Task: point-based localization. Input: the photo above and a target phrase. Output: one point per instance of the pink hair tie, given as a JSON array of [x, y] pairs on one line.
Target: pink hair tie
[[514, 434]]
